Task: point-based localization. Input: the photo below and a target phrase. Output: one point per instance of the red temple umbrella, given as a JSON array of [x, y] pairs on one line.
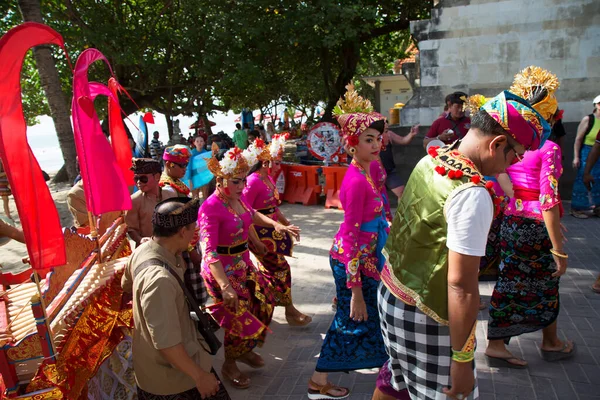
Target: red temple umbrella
[[200, 124]]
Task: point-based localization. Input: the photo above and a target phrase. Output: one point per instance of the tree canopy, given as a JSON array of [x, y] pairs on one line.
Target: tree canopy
[[200, 56]]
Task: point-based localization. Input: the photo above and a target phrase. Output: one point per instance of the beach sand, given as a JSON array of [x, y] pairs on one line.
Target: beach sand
[[12, 253]]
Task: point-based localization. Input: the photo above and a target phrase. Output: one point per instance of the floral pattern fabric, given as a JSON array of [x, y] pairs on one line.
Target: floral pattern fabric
[[220, 225], [356, 249], [273, 266], [539, 172]]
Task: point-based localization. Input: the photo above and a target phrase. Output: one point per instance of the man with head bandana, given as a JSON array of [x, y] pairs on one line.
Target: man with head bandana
[[170, 359], [429, 296], [176, 161], [146, 176]]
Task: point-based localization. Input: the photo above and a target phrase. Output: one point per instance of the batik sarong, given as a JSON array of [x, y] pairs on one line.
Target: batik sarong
[[419, 348], [350, 345], [259, 302], [192, 394], [275, 268], [525, 298]]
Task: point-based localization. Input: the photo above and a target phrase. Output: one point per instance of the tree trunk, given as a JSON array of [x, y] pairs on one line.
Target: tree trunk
[[59, 107], [350, 59]]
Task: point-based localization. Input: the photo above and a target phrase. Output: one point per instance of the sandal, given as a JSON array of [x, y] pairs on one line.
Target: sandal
[[241, 382], [252, 359], [322, 391], [302, 320], [498, 362], [557, 355], [579, 214], [596, 286]]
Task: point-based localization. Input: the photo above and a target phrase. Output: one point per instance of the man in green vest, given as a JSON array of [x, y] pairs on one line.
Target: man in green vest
[[429, 296]]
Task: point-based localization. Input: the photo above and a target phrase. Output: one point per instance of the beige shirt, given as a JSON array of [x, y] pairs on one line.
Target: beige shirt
[[139, 218], [162, 320], [78, 208]]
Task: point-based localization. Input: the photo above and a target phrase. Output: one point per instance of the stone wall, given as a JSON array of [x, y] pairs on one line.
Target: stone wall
[[477, 46]]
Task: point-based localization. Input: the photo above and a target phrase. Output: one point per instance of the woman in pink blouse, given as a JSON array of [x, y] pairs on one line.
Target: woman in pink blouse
[[354, 339], [237, 287], [260, 193], [526, 298]]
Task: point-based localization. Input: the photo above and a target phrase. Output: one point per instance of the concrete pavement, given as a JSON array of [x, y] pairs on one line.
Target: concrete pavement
[[290, 353]]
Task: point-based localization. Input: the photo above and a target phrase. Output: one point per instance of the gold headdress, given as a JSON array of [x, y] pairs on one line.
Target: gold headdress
[[233, 163], [354, 113], [473, 103], [537, 86]]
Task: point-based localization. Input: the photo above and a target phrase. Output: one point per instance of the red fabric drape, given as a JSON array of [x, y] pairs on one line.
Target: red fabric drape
[[38, 214], [118, 135]]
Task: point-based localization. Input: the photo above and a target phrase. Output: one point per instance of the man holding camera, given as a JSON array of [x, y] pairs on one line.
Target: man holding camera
[[170, 356]]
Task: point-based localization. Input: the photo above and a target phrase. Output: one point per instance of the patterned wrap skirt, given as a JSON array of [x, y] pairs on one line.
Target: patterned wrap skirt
[[192, 394], [4, 186], [257, 299], [275, 268], [350, 345], [419, 351], [525, 298], [488, 266]]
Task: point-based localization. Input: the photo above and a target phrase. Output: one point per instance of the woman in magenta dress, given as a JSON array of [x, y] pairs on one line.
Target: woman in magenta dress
[[260, 193], [526, 297], [233, 281], [354, 339]]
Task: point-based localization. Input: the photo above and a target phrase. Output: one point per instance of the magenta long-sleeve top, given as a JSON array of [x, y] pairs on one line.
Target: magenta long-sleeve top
[[362, 202], [259, 195], [220, 225], [535, 182]]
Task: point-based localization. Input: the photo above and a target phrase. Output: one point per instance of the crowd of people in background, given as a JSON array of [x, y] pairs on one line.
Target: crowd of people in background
[[202, 206]]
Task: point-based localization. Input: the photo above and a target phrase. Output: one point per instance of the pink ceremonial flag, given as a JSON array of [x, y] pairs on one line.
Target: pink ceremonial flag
[[103, 182], [37, 211], [118, 135]]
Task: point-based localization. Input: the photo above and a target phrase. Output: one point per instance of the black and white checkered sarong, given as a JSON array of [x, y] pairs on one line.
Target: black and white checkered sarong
[[194, 281], [419, 349]]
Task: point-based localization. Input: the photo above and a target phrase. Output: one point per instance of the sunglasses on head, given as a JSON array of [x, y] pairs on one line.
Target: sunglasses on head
[[518, 157], [140, 178]]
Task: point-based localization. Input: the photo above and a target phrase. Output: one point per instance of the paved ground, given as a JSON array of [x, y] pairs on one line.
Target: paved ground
[[290, 353]]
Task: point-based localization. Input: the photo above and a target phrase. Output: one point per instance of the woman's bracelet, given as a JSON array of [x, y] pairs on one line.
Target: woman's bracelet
[[225, 287], [559, 254]]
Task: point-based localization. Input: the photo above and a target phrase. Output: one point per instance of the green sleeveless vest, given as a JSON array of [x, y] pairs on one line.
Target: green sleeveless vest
[[416, 247]]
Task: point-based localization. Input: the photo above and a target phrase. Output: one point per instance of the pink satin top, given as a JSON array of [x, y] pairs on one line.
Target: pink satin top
[[535, 177], [362, 202], [220, 225], [258, 195]]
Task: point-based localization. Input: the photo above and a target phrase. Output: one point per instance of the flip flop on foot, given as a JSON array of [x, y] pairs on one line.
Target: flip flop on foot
[[237, 380], [596, 286], [326, 392], [560, 354], [508, 362]]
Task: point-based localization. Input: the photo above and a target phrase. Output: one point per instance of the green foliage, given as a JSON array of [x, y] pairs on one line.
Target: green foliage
[[199, 56]]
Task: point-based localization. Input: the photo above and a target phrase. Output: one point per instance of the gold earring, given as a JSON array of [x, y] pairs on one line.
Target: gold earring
[[352, 150]]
